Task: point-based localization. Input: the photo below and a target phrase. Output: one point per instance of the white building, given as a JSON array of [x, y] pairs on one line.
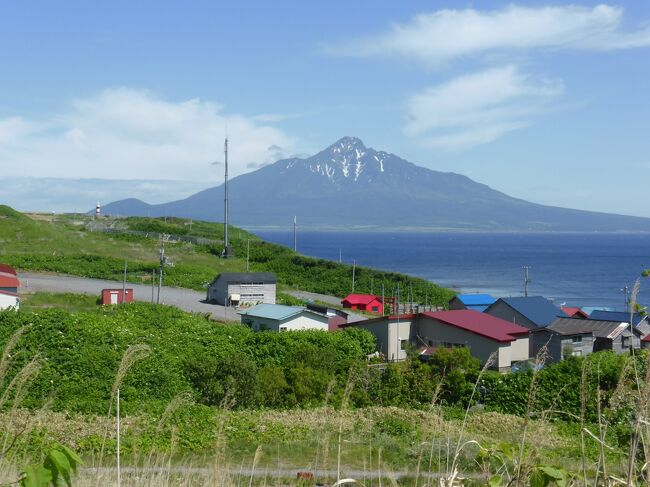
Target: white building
[[277, 317], [9, 300]]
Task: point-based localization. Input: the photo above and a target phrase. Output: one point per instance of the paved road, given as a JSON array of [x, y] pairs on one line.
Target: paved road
[[184, 299]]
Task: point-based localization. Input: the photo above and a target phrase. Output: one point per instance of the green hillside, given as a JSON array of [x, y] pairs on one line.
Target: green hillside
[[80, 245]]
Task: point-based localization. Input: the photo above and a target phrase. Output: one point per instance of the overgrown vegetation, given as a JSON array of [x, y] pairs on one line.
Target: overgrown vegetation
[[76, 245]]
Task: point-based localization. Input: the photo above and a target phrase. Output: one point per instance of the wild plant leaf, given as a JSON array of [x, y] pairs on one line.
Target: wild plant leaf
[[57, 462], [35, 476], [538, 479], [555, 473], [495, 481], [73, 458]]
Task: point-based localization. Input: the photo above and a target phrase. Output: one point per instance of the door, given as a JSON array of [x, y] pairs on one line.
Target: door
[[113, 298]]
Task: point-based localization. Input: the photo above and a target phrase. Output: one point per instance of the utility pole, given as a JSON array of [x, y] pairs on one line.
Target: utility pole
[[248, 254], [227, 250], [339, 255], [526, 280], [354, 268], [399, 338], [153, 283], [372, 286], [295, 240], [124, 285], [383, 300], [626, 292], [162, 264]]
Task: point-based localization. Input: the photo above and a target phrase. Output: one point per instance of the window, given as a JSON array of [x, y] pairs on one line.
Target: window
[[577, 339], [402, 344], [283, 328], [625, 341], [577, 353], [375, 309]]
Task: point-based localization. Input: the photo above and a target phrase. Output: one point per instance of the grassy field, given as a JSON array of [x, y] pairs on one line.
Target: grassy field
[[76, 244]]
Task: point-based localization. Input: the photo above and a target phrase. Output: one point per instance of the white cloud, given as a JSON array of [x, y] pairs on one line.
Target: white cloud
[[127, 133], [445, 35], [478, 108]]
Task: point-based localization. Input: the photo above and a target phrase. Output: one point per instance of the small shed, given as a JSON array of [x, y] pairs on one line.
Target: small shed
[[243, 289], [117, 296], [9, 282], [364, 302], [9, 300]]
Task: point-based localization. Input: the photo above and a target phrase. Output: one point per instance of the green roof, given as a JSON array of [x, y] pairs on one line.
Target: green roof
[[273, 311]]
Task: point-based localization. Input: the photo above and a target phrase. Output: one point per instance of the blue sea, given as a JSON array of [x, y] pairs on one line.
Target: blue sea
[[571, 269]]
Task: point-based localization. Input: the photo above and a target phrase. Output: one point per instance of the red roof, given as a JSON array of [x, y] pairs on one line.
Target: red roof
[[361, 298], [646, 338], [480, 324], [572, 311], [6, 268], [8, 280]]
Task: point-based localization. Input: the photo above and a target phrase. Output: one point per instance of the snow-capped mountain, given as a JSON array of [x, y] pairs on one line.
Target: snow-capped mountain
[[349, 185]]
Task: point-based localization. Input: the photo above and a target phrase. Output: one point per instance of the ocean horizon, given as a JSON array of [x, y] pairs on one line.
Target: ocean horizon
[[573, 269]]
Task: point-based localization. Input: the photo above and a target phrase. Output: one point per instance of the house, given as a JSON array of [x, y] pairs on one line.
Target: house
[[640, 322], [530, 311], [9, 282], [278, 317], [483, 334], [364, 302], [336, 318], [577, 336], [574, 312], [477, 302], [645, 342], [9, 300], [242, 289], [117, 296]]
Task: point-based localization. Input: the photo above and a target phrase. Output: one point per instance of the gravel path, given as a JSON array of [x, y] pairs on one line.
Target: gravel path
[[185, 299]]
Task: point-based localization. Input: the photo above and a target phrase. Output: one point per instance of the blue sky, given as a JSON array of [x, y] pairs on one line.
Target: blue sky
[[547, 102]]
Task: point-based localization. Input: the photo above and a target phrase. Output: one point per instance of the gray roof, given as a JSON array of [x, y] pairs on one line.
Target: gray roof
[[579, 326], [247, 277]]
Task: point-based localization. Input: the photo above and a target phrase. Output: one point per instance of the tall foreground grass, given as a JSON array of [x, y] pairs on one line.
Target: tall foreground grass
[[374, 446]]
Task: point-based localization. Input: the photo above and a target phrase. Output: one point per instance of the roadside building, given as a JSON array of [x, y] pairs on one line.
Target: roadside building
[[243, 289], [364, 302], [278, 317], [483, 334], [574, 312], [477, 302], [9, 282], [117, 296], [577, 337], [9, 300], [7, 269], [530, 311]]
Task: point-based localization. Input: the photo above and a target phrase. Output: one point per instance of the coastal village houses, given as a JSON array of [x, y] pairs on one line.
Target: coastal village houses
[[482, 334], [567, 337]]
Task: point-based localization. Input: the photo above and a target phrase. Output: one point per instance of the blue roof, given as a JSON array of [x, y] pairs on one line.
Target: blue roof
[[476, 299], [479, 307], [537, 309], [273, 311], [620, 316]]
